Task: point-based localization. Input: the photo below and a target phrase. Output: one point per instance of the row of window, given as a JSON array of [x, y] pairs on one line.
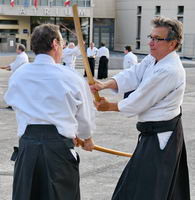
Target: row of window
[[180, 10], [103, 29], [8, 22], [8, 31], [26, 3]]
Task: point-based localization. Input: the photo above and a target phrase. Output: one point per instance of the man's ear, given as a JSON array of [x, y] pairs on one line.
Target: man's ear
[[173, 44], [55, 44]]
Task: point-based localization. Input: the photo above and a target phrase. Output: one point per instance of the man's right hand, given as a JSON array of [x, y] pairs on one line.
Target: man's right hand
[[88, 144], [105, 105], [97, 86]]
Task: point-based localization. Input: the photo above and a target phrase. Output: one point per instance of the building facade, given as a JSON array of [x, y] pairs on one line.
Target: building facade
[[117, 23], [139, 13], [18, 22]]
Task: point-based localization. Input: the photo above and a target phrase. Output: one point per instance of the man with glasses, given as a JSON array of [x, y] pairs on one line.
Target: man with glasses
[[158, 168], [53, 107]]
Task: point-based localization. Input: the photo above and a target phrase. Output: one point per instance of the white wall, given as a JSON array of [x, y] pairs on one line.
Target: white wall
[[104, 9], [126, 22]]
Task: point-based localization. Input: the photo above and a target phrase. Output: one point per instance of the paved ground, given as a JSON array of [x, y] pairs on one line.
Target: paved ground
[[99, 171]]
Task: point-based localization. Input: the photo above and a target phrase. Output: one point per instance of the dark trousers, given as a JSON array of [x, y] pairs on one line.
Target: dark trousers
[[103, 68], [45, 169], [153, 173], [92, 66]]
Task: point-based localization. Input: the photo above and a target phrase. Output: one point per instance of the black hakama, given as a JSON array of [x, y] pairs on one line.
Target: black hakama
[[103, 67], [92, 66], [152, 173], [45, 169]]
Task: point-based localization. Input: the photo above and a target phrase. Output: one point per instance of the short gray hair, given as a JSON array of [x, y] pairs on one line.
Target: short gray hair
[[175, 28]]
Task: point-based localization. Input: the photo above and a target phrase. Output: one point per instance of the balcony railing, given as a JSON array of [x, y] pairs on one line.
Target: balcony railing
[[26, 3]]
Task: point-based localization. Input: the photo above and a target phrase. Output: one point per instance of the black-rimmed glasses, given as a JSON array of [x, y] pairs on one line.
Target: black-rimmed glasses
[[156, 39]]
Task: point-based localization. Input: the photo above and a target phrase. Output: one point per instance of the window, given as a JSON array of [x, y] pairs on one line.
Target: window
[[180, 10], [43, 2], [20, 2], [138, 45], [157, 10], [138, 27], [88, 3], [180, 19], [103, 31], [82, 3], [3, 40], [9, 31], [12, 22], [58, 2], [6, 2], [139, 10]]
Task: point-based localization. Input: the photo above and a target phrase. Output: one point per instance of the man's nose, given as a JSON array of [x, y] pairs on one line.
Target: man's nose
[[151, 42]]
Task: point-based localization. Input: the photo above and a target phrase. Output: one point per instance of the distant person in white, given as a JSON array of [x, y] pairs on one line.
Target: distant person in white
[[129, 60], [103, 54], [91, 54], [21, 59], [69, 55], [53, 107], [158, 168]]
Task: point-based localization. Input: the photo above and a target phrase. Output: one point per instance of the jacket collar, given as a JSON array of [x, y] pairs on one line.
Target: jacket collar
[[44, 59]]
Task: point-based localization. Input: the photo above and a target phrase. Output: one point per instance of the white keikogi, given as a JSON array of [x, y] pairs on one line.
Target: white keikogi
[[69, 56], [59, 87], [92, 53], [164, 81], [103, 51], [21, 59], [129, 60]]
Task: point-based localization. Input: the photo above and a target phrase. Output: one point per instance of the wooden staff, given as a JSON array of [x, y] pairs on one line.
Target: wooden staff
[[105, 150], [82, 49], [90, 78]]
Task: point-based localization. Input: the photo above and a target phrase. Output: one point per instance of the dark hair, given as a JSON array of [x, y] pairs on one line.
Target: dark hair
[[21, 47], [102, 44], [175, 28], [43, 36], [128, 48]]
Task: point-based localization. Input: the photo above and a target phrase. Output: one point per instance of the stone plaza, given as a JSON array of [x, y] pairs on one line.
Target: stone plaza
[[99, 171]]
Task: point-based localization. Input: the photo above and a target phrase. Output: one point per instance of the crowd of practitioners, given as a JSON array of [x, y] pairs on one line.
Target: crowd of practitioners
[[69, 56], [70, 52]]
